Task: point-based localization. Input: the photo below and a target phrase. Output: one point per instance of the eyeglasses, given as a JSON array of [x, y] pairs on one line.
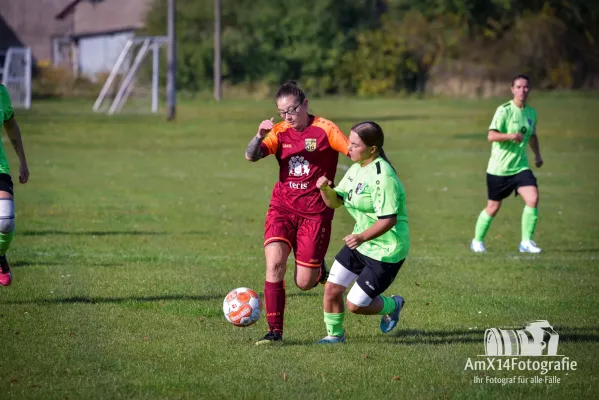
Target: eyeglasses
[[292, 111]]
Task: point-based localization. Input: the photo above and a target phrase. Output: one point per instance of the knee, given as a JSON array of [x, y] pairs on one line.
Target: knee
[[305, 278], [492, 209], [7, 215], [532, 201], [304, 284], [333, 292], [352, 307], [275, 271]]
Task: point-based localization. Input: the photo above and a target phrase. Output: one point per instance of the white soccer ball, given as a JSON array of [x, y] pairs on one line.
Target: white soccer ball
[[242, 307]]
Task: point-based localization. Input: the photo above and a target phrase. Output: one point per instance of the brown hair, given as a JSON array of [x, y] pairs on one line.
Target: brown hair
[[372, 135], [520, 76], [290, 88]]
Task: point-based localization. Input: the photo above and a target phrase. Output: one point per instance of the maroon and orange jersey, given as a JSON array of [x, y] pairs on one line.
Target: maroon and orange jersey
[[304, 157]]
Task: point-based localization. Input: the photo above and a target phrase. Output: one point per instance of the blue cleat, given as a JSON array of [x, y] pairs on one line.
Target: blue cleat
[[388, 322]]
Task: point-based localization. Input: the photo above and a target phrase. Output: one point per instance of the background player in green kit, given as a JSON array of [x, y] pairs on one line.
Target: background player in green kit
[[514, 125], [7, 205], [378, 246]]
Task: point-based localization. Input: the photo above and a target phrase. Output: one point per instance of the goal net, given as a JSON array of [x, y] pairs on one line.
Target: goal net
[[134, 83], [15, 68]]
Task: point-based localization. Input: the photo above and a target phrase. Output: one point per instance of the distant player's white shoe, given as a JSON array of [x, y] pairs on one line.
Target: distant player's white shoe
[[477, 247], [528, 246]]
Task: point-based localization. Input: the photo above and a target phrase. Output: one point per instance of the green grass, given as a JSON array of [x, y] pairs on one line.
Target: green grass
[[132, 230]]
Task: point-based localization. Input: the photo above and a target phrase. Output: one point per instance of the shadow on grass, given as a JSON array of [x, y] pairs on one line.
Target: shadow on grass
[[39, 263], [135, 299], [90, 233], [411, 337], [587, 250], [104, 300]]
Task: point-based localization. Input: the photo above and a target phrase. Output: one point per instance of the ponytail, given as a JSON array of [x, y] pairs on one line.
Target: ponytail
[[384, 157]]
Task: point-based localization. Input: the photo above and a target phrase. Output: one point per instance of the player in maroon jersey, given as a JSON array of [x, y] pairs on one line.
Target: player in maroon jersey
[[306, 147]]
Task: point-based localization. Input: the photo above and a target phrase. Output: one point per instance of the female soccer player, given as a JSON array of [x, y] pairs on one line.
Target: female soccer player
[[306, 147], [513, 126], [378, 246], [7, 205]]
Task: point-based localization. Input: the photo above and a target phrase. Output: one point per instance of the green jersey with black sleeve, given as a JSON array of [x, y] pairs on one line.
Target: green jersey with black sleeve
[[371, 193]]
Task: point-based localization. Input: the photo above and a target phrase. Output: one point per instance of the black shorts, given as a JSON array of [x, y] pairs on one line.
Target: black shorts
[[6, 184], [374, 277], [500, 187]]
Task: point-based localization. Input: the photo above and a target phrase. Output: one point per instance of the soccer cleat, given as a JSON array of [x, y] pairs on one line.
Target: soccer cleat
[[332, 339], [389, 321], [270, 338], [528, 246], [324, 274], [5, 274], [477, 247]]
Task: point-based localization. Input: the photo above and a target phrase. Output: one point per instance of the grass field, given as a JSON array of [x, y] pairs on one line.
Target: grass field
[[132, 230]]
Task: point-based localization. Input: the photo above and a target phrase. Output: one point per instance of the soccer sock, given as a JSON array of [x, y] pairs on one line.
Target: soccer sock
[[334, 323], [388, 305], [482, 226], [529, 222], [274, 299], [5, 240]]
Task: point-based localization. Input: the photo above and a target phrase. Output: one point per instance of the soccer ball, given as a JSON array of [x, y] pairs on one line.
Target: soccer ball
[[242, 307]]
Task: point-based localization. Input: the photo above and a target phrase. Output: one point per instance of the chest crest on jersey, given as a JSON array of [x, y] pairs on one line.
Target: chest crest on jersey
[[299, 166], [359, 188], [310, 144]]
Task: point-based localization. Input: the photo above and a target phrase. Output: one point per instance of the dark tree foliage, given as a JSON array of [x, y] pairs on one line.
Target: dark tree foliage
[[378, 46]]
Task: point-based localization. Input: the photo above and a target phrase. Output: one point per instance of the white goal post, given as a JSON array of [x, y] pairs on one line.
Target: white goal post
[[16, 75], [123, 77]]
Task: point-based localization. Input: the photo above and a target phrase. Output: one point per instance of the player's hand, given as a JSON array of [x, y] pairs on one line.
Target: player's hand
[[265, 127], [538, 161], [23, 173], [517, 137], [353, 241], [323, 182]]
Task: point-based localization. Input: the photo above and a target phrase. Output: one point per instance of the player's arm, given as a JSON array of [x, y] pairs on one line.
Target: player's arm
[[328, 194], [338, 140], [534, 145], [499, 126], [387, 201], [14, 135], [380, 227], [255, 151], [496, 136]]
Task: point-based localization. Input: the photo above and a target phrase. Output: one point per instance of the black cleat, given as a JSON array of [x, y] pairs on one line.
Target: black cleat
[[270, 338], [324, 274]]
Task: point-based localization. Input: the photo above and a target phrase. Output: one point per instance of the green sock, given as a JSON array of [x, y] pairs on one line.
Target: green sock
[[5, 239], [334, 323], [482, 226], [388, 305], [529, 222]]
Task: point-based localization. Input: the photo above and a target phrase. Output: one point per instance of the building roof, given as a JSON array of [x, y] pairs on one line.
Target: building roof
[[101, 16]]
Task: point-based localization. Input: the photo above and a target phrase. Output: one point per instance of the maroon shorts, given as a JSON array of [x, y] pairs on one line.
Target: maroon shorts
[[309, 238]]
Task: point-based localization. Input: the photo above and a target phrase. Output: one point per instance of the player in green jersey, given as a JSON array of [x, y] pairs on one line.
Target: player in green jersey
[[7, 205], [378, 246], [513, 127]]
